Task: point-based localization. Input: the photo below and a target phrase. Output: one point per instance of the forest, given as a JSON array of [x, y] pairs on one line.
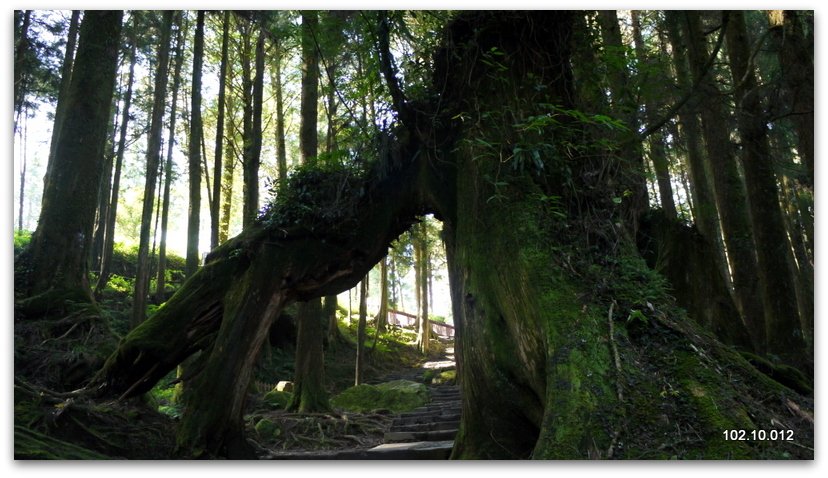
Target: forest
[[413, 234]]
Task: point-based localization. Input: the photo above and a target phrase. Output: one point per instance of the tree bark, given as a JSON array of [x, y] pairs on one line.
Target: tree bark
[[363, 318], [783, 329], [310, 88], [194, 151], [797, 63], [658, 153], [728, 188], [153, 152], [161, 278], [60, 245], [281, 149], [253, 141], [65, 81], [382, 314], [215, 204], [21, 50], [112, 210]]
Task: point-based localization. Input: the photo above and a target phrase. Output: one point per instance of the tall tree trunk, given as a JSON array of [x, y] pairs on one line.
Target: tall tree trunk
[[658, 153], [797, 63], [161, 278], [701, 187], [783, 329], [363, 318], [424, 326], [382, 314], [21, 50], [112, 210], [194, 151], [309, 379], [24, 136], [253, 140], [60, 246], [728, 188], [625, 107], [65, 80], [281, 149], [215, 203], [310, 87], [139, 300]]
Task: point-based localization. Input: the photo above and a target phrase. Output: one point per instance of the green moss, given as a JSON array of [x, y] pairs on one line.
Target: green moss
[[278, 400], [267, 429], [396, 396]]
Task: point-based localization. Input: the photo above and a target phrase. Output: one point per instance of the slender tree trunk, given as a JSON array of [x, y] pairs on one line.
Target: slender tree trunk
[[625, 107], [153, 152], [310, 86], [728, 187], [382, 314], [797, 63], [65, 80], [253, 143], [21, 50], [783, 329], [424, 328], [24, 136], [194, 151], [706, 213], [161, 278], [281, 149], [59, 247], [658, 153], [363, 318], [215, 203], [112, 210]]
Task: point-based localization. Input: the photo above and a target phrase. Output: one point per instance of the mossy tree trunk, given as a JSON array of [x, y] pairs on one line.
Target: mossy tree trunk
[[550, 364], [225, 309], [59, 248]]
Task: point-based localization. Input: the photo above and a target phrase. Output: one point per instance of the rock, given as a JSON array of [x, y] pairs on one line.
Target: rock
[[277, 399]]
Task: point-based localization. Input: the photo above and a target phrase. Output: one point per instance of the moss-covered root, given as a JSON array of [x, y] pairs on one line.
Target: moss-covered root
[[32, 445]]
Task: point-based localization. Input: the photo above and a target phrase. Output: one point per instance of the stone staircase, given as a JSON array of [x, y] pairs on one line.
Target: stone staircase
[[425, 433]]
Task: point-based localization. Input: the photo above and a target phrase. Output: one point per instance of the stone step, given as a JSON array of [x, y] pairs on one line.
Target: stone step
[[411, 420], [425, 427], [426, 450], [423, 450], [436, 412], [437, 435]]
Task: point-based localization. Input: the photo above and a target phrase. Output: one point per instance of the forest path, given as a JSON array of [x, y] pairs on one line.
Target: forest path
[[425, 433]]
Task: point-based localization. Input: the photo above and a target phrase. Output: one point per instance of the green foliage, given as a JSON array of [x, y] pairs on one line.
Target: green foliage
[[323, 196], [21, 240], [396, 396]]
